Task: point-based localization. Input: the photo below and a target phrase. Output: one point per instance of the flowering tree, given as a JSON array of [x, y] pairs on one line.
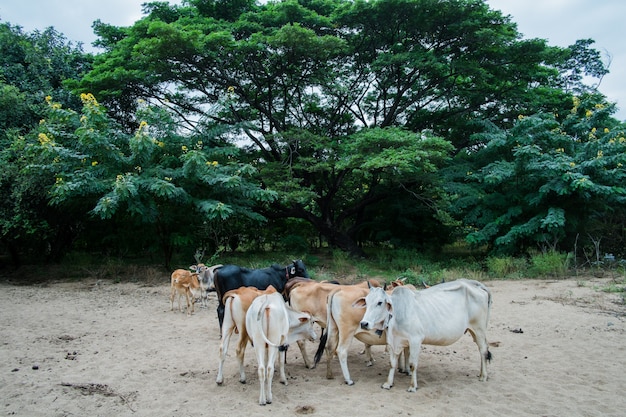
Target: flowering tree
[[154, 177], [547, 181]]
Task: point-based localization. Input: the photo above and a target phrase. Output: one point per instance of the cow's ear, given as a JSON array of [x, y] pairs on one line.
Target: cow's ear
[[293, 271], [389, 306], [360, 303], [193, 267]]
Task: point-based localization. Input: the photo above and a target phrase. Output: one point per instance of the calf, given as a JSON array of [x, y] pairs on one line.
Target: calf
[[438, 315], [271, 326], [183, 282], [236, 304]]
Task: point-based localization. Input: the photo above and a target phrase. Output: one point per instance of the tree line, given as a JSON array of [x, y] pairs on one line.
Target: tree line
[[302, 123]]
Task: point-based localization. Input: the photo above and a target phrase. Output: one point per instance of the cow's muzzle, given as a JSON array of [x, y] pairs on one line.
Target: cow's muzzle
[[365, 325]]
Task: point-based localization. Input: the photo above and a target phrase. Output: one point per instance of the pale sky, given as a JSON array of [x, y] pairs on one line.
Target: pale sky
[[561, 22]]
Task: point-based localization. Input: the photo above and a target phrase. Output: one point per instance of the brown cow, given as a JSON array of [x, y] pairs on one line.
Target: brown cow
[[184, 282], [311, 296], [343, 324]]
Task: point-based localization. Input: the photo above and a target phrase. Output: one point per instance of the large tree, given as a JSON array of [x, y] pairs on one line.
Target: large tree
[[321, 89]]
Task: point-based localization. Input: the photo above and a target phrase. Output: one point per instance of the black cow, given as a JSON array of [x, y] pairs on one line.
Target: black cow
[[230, 277]]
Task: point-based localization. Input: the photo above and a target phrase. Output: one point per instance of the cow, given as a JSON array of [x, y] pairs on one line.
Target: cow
[[206, 280], [311, 296], [343, 324], [272, 326], [183, 282], [230, 277], [438, 315], [236, 304]]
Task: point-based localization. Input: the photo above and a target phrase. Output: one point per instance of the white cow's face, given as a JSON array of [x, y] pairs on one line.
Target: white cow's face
[[377, 309]]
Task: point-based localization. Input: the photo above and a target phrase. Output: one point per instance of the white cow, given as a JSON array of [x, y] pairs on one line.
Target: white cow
[[438, 315], [272, 326]]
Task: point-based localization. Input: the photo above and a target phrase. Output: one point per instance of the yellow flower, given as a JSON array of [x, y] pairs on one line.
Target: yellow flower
[[138, 168], [168, 178], [58, 180], [560, 150], [231, 89], [184, 148], [119, 178], [572, 164], [600, 154], [606, 130], [520, 117], [44, 139], [88, 99], [94, 163], [588, 113], [48, 99], [161, 144]]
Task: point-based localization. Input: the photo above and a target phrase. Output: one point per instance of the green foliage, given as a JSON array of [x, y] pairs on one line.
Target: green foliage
[[506, 266], [547, 180], [552, 264], [154, 179]]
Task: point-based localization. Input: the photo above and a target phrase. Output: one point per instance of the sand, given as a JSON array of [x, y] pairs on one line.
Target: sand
[[99, 348]]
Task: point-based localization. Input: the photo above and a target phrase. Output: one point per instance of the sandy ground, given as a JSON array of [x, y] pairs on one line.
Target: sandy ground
[[111, 349]]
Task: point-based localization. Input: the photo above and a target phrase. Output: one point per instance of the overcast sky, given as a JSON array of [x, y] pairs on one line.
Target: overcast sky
[[561, 22]]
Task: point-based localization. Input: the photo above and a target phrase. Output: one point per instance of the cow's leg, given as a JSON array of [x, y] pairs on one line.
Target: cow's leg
[[480, 339], [271, 362], [226, 335], [172, 295], [393, 362], [305, 356], [241, 352], [342, 355], [189, 304], [414, 352], [404, 361], [368, 354], [281, 366], [261, 359]]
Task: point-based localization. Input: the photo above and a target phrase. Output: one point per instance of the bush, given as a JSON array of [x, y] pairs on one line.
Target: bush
[[506, 267], [549, 264]]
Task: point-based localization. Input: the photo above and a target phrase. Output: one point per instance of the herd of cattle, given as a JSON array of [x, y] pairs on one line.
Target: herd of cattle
[[276, 306]]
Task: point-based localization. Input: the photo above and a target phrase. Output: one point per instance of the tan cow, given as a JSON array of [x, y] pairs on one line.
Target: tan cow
[[237, 302], [184, 282], [344, 324], [311, 296]]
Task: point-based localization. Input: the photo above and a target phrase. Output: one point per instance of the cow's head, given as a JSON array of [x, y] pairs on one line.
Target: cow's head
[[297, 269], [378, 310]]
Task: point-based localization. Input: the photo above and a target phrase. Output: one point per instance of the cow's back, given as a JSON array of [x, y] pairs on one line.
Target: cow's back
[[231, 277]]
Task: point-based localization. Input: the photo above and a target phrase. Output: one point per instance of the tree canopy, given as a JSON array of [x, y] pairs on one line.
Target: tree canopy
[[359, 119]]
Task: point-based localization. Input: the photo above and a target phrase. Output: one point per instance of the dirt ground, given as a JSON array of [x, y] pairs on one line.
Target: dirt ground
[[98, 348]]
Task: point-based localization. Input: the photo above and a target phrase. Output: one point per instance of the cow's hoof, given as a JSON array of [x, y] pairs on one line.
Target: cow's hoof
[[411, 389], [386, 386], [351, 382], [219, 382]]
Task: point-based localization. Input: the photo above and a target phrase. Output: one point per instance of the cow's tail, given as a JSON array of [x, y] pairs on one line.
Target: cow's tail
[[329, 326], [263, 319], [321, 347]]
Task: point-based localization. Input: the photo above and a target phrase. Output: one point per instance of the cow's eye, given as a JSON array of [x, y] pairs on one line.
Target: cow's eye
[[379, 303]]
